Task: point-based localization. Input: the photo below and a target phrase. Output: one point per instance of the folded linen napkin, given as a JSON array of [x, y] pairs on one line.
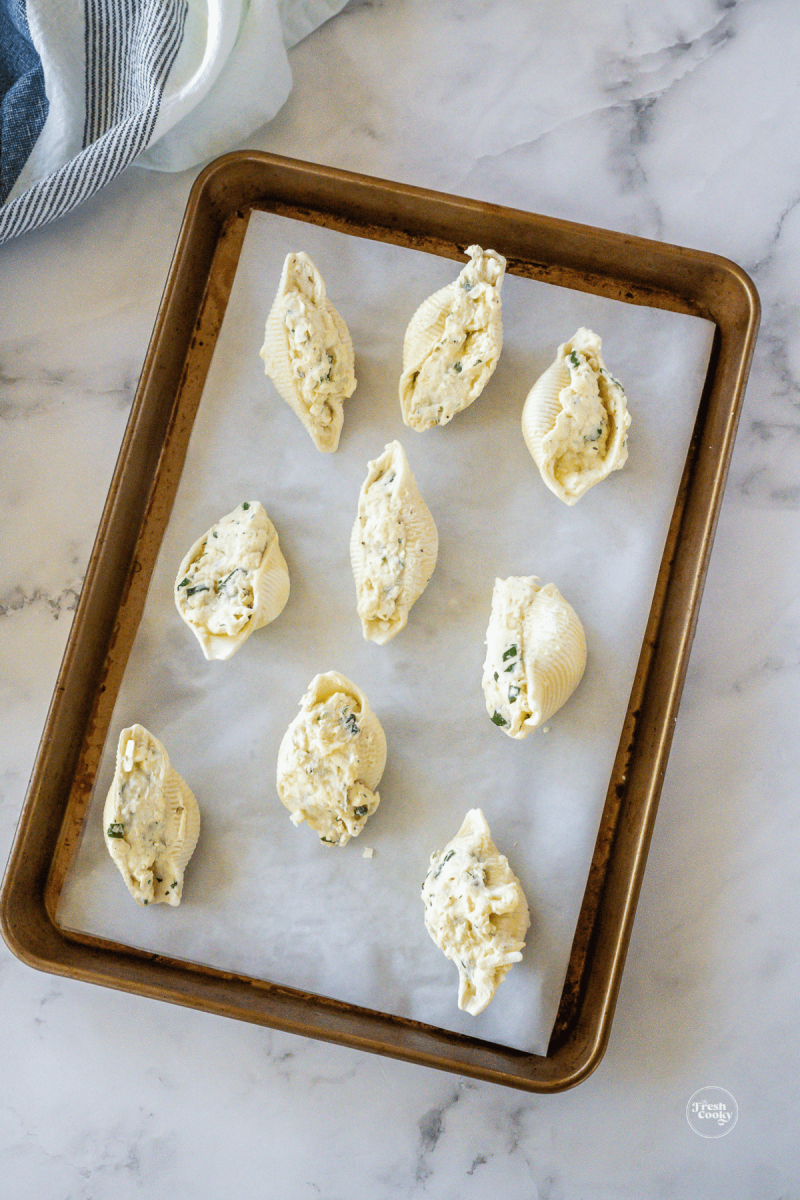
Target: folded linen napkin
[[89, 86]]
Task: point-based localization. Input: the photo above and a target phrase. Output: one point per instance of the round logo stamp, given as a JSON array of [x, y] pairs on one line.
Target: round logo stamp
[[712, 1112]]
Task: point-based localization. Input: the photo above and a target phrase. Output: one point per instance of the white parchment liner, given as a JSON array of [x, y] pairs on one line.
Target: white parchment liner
[[267, 899]]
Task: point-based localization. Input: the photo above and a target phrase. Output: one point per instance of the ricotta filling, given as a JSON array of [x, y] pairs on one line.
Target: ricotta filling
[[217, 593], [139, 831], [461, 915], [383, 536], [313, 345], [445, 381], [321, 784], [505, 682], [579, 441]]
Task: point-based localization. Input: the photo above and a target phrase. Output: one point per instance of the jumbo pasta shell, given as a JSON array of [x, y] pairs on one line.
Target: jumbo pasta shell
[[475, 911], [427, 325], [543, 405], [271, 585], [151, 820], [453, 343], [308, 351], [535, 654], [575, 419], [183, 817], [393, 546], [331, 759], [233, 581], [554, 654]]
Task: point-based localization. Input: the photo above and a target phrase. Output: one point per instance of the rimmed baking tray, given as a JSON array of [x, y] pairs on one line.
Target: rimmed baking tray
[[630, 270]]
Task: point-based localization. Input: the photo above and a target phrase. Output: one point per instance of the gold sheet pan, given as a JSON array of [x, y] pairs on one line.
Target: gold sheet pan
[[628, 269]]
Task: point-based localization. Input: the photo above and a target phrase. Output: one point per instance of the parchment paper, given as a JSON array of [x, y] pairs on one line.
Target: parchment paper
[[267, 899]]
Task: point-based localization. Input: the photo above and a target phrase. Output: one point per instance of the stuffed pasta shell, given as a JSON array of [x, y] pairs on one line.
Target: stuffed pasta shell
[[535, 654], [393, 546], [453, 343], [575, 419], [151, 821], [475, 911], [308, 352], [233, 581], [331, 759]]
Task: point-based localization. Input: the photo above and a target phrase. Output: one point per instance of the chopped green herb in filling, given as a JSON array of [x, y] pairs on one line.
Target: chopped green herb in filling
[[350, 723], [218, 591], [221, 582], [383, 555]]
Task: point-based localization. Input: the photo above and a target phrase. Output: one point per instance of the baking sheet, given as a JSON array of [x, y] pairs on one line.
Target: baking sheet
[[266, 899]]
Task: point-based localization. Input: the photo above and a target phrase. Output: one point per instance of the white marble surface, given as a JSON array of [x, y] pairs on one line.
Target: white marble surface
[[676, 120]]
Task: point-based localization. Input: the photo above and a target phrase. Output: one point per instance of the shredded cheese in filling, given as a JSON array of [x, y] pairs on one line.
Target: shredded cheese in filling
[[505, 683], [579, 440], [217, 591], [314, 346], [320, 781], [139, 831], [383, 536], [443, 384], [475, 911], [456, 368]]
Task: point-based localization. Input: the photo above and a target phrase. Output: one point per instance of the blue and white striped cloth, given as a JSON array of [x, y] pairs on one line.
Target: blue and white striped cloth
[[89, 86]]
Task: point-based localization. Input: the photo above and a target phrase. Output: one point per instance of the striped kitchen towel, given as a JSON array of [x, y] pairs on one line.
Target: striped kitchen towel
[[89, 86]]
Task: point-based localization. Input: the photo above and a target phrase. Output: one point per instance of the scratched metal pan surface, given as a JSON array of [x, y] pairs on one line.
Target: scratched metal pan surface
[[630, 270]]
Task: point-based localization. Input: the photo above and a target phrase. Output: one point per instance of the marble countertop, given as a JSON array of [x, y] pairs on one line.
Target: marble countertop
[[677, 121]]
